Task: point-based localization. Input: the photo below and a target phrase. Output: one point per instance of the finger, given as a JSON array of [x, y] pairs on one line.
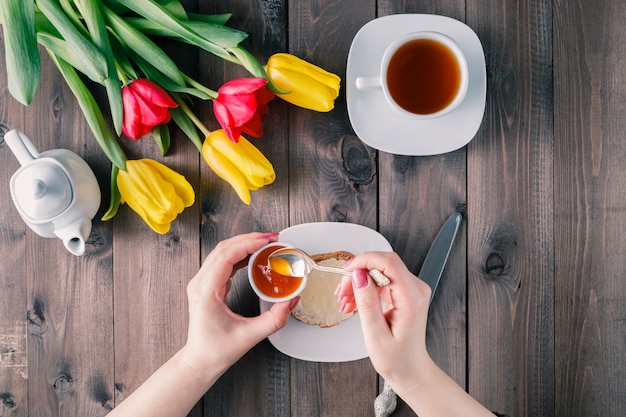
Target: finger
[[390, 264], [271, 321], [228, 253], [367, 299]]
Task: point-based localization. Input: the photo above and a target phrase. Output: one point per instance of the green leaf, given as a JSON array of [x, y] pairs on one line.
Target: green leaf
[[116, 197], [155, 75], [121, 58], [153, 11], [61, 48], [249, 62], [133, 40], [82, 47], [175, 8], [220, 35], [186, 126], [218, 19], [161, 135], [90, 10], [92, 112], [21, 54], [73, 15]]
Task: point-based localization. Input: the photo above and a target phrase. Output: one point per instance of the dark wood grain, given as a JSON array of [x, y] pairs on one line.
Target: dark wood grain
[[152, 271], [510, 209], [529, 315], [13, 282], [258, 383], [589, 179], [331, 179], [69, 302], [416, 196]]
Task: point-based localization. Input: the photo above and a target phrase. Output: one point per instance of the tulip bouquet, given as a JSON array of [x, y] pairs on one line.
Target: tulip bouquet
[[112, 42]]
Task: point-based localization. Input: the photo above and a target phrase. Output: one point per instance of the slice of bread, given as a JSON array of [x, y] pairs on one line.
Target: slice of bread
[[318, 305]]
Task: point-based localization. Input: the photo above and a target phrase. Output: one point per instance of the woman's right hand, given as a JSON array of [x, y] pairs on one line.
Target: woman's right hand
[[396, 337]]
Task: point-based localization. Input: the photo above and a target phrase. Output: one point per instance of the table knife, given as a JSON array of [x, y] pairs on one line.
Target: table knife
[[431, 271]]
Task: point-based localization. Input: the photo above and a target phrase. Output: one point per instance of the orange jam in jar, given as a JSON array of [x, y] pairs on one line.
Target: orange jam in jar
[[270, 282]]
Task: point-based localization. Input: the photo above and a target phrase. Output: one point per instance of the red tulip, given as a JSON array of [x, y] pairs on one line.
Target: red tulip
[[241, 105], [145, 106]]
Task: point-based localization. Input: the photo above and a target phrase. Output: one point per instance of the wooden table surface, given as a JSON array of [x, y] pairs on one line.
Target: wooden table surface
[[530, 316]]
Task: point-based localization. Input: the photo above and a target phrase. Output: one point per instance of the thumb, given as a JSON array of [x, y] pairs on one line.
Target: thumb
[[270, 321], [368, 304]]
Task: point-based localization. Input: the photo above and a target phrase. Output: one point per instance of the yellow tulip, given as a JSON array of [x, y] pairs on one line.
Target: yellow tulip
[[309, 86], [242, 165], [155, 192]]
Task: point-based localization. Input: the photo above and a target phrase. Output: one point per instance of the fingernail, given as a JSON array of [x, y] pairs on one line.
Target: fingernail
[[293, 303], [268, 235], [337, 289], [359, 278], [342, 308], [348, 262]]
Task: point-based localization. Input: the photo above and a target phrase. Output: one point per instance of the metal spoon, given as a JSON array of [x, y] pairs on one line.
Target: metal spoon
[[292, 262]]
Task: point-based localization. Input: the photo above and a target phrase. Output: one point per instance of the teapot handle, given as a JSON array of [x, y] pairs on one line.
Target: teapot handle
[[22, 147]]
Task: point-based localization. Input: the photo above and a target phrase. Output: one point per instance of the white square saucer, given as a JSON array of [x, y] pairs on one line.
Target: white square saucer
[[377, 124]]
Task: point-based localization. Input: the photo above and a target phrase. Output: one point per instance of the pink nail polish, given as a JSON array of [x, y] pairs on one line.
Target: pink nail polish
[[359, 278], [268, 235], [348, 262], [337, 289], [293, 303]]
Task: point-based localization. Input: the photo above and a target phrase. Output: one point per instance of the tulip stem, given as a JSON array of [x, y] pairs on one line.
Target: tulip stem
[[206, 132], [120, 73], [196, 84]]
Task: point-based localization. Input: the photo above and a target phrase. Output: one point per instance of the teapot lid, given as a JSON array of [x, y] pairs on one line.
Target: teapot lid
[[42, 190]]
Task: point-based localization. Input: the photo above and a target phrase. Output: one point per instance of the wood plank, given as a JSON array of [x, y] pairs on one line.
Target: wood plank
[[417, 194], [70, 323], [590, 179], [510, 207], [13, 282], [331, 179], [151, 270], [257, 384]]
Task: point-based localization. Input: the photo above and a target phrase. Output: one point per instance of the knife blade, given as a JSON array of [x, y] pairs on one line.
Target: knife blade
[[432, 268], [437, 255]]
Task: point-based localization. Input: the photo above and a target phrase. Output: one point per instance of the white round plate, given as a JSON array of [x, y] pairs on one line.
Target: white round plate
[[343, 342], [377, 124]]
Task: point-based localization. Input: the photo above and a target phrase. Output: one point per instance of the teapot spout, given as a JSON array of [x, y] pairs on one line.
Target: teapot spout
[[75, 234]]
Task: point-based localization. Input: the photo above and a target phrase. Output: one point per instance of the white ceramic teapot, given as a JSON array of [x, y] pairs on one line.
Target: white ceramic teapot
[[55, 192]]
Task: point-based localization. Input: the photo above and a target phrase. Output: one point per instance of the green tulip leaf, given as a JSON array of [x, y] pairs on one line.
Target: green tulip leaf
[[249, 62], [161, 135], [220, 35], [186, 126], [155, 75], [22, 59], [61, 48], [83, 48], [95, 24], [161, 16], [218, 19], [116, 197], [92, 112], [133, 40], [175, 8], [121, 58]]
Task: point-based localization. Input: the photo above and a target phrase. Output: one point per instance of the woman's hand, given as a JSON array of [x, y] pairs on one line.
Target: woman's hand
[[217, 336], [395, 337]]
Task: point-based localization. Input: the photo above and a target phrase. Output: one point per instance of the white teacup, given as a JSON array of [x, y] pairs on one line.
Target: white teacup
[[423, 75], [283, 288]]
